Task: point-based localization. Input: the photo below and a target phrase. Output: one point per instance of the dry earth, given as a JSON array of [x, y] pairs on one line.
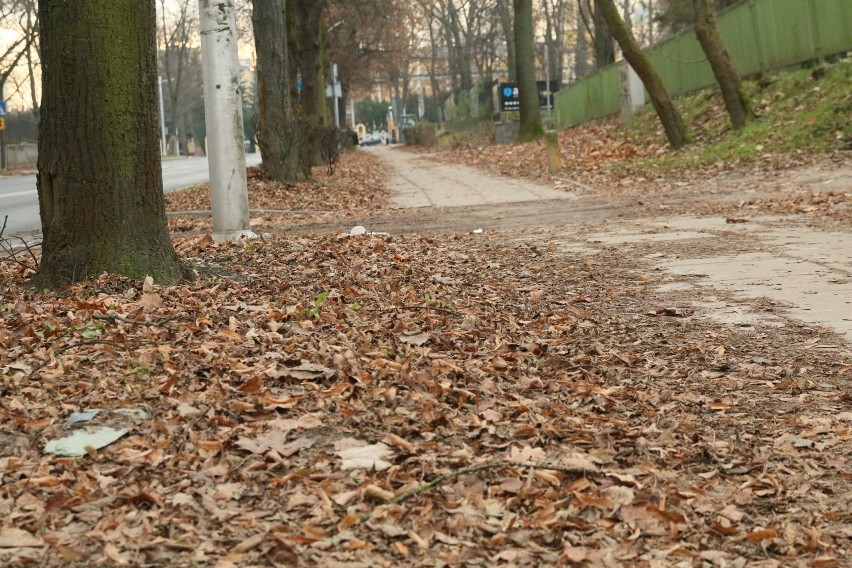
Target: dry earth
[[524, 396]]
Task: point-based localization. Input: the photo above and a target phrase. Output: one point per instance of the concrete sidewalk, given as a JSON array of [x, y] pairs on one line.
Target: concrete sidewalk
[[722, 270], [806, 273], [417, 182]]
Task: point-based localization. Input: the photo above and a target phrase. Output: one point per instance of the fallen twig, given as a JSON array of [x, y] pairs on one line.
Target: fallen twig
[[467, 470], [12, 255], [433, 308], [62, 350], [115, 317]]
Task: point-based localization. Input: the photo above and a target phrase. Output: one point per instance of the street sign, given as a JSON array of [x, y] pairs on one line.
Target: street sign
[[2, 123], [3, 108], [510, 100]]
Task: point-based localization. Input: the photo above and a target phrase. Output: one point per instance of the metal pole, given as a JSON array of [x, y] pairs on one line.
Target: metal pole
[[3, 157], [162, 118], [223, 112], [547, 77], [335, 87]]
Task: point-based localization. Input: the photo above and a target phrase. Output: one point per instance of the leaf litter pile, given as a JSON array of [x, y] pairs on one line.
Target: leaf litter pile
[[476, 400], [354, 187]]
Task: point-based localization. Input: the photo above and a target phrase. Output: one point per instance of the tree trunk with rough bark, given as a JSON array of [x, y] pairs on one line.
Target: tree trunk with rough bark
[[664, 105], [308, 27], [99, 174], [530, 124], [277, 133], [505, 13], [707, 31], [603, 38]]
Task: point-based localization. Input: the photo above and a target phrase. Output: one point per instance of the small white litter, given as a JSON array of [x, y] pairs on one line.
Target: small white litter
[[359, 230], [85, 437]]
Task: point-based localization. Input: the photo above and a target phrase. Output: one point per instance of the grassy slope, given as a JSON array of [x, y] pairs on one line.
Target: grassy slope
[[798, 111]]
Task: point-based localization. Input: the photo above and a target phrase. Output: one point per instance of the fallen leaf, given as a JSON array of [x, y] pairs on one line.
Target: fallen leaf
[[306, 371], [112, 553], [416, 339], [366, 457], [762, 535], [12, 537]]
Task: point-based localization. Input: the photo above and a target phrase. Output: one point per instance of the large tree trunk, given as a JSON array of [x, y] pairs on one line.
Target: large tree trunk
[[277, 133], [530, 124], [461, 49], [664, 105], [309, 32], [720, 60], [603, 40], [505, 13], [99, 183]]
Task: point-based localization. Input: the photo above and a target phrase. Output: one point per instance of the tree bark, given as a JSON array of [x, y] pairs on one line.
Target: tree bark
[[277, 133], [309, 32], [99, 175], [664, 105], [603, 40], [461, 48], [530, 124], [505, 14], [175, 59], [707, 31]]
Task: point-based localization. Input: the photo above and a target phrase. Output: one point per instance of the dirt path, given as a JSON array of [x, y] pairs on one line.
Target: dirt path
[[805, 273]]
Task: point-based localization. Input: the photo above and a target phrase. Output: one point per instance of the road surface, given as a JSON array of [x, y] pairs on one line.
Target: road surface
[[19, 200]]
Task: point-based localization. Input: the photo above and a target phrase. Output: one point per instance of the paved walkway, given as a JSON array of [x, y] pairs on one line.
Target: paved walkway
[[416, 182], [805, 271]]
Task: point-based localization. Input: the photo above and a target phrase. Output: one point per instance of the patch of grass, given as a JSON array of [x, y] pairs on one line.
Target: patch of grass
[[797, 111]]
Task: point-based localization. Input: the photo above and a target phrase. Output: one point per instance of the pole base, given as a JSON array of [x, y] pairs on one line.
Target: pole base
[[234, 235]]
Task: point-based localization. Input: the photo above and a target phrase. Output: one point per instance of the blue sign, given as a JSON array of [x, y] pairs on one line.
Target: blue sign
[[2, 108], [509, 99]]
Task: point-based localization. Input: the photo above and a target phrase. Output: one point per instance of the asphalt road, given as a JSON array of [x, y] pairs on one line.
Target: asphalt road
[[19, 200]]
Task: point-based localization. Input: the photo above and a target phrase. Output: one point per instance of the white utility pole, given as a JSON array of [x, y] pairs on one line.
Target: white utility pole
[[223, 109], [337, 93], [547, 92], [162, 118]]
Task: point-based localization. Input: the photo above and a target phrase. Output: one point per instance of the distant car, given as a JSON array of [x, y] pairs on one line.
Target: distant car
[[372, 139]]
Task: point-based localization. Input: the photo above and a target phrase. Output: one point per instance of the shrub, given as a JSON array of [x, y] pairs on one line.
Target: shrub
[[319, 144], [422, 134]]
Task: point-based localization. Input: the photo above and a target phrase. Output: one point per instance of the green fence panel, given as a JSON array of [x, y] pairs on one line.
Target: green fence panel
[[594, 97], [738, 28], [784, 34], [759, 34], [681, 63], [834, 25]]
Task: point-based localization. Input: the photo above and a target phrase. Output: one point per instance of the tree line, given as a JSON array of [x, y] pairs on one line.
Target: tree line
[[99, 180]]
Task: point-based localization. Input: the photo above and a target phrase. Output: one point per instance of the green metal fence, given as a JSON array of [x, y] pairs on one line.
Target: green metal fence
[[760, 35]]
